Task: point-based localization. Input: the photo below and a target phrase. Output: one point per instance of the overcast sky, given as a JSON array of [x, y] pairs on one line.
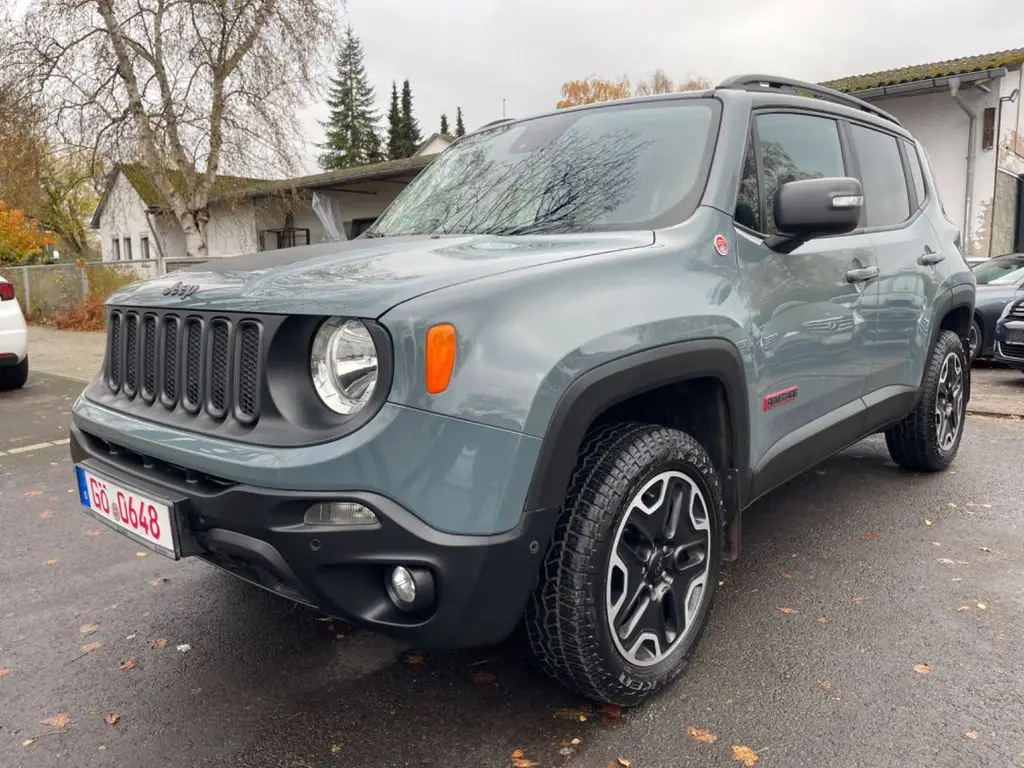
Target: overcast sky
[[472, 53]]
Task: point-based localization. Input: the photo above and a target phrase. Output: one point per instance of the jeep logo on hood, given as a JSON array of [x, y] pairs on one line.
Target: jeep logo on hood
[[184, 290]]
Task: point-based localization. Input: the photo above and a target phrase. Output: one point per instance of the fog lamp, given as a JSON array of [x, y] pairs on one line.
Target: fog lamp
[[410, 589], [339, 513]]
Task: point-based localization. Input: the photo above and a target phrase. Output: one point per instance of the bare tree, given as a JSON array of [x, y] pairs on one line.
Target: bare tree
[[187, 87]]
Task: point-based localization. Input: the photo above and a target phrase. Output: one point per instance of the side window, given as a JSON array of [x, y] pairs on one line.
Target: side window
[[916, 173], [886, 199], [795, 147], [748, 201]]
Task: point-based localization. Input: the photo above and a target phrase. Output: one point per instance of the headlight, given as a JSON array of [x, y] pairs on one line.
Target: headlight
[[343, 364]]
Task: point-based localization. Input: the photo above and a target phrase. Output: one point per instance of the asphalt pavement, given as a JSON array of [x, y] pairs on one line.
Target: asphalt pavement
[[854, 577]]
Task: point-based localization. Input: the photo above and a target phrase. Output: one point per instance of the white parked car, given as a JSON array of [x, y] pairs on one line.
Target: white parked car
[[13, 340]]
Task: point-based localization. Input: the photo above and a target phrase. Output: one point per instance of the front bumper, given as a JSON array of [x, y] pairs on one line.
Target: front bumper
[[482, 583]]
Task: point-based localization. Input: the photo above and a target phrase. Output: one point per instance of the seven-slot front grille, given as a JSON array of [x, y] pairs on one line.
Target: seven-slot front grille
[[189, 361]]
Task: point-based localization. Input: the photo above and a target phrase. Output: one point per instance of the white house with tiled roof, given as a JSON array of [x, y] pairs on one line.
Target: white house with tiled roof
[[969, 116]]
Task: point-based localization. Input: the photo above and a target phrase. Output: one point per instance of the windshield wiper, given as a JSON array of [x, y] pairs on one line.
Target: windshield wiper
[[374, 233]]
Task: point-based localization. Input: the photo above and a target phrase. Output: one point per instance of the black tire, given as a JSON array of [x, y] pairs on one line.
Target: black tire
[[14, 376], [567, 619], [976, 340], [920, 442]]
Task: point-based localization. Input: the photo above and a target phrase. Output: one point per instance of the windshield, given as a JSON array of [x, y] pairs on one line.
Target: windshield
[[1002, 270], [609, 168]]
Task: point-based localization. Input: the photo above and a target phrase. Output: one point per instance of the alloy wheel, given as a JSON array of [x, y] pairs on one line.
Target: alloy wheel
[[659, 567], [949, 402]]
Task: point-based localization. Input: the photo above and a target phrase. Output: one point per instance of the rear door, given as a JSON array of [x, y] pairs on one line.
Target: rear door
[[910, 261]]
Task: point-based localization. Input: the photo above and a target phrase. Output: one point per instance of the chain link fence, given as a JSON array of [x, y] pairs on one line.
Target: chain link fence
[[48, 290]]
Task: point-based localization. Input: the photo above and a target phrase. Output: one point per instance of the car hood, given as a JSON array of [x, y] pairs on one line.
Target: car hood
[[360, 278], [994, 294]]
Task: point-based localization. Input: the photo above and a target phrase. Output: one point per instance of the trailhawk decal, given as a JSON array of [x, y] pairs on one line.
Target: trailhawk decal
[[781, 397]]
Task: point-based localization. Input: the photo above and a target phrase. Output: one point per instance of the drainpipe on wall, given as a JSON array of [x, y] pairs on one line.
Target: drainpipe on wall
[[972, 131]]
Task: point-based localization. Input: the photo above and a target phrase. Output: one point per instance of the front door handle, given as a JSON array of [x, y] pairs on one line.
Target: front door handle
[[861, 274], [930, 258]]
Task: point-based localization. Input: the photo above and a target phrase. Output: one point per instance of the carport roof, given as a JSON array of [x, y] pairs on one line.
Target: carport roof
[[1009, 58]]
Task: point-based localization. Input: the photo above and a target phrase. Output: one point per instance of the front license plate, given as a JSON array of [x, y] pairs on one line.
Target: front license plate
[[141, 517], [1014, 336]]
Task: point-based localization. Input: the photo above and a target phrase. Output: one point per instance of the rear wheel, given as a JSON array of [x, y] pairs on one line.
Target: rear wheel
[[631, 573], [928, 439], [14, 376]]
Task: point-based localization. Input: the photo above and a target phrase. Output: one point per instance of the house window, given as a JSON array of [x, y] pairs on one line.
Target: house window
[[144, 247], [116, 250], [127, 249]]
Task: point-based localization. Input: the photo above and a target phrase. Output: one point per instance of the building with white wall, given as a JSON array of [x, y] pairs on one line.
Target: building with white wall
[[968, 114], [248, 215]]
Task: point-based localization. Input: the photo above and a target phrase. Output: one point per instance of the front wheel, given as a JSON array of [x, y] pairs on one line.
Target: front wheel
[[630, 576], [928, 439]]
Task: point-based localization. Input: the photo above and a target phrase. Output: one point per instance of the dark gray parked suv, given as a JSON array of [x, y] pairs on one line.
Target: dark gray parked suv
[[544, 386]]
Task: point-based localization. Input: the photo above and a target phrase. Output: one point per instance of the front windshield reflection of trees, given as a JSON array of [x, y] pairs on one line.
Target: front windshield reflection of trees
[[611, 168]]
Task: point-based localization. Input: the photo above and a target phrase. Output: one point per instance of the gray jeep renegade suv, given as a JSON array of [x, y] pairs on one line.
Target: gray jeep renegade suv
[[547, 382]]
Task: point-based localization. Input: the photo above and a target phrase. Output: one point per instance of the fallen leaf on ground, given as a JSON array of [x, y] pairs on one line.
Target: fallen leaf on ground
[[927, 522], [129, 665], [158, 582], [92, 532], [4, 671], [703, 735], [575, 742], [922, 669], [868, 536], [788, 611], [984, 549], [90, 647], [130, 637], [57, 721], [46, 513], [963, 608], [413, 657], [745, 755], [522, 762], [157, 644], [971, 734], [787, 575], [335, 749], [482, 677], [612, 710], [28, 742], [517, 753], [141, 554], [624, 762], [568, 713], [32, 494], [981, 606], [112, 719], [49, 562], [184, 647], [88, 629], [823, 620]]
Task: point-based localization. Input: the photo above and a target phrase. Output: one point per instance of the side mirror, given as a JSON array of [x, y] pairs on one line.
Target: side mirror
[[815, 208]]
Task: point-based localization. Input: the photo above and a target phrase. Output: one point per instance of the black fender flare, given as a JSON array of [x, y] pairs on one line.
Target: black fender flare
[[618, 380], [960, 296]]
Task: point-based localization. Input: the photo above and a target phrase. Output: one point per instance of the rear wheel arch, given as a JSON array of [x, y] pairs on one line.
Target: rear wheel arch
[[643, 385]]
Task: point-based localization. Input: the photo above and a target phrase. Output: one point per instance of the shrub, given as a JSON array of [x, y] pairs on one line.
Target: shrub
[[89, 314]]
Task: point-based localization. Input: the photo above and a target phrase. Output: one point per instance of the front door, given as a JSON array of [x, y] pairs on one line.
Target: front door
[[811, 356]]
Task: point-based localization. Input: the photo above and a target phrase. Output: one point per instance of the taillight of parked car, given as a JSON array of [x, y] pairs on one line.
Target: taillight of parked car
[[6, 292]]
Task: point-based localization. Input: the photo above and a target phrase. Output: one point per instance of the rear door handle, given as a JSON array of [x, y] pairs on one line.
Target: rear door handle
[[929, 258], [861, 274]]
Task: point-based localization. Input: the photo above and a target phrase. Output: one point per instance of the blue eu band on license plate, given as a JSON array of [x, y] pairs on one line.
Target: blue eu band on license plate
[[83, 487]]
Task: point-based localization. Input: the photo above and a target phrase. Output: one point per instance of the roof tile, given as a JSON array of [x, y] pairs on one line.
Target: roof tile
[[1009, 58]]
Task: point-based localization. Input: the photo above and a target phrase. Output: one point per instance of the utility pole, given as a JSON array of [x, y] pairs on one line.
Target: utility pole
[[502, 107]]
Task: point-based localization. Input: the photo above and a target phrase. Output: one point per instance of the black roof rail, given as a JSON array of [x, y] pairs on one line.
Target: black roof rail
[[788, 85]]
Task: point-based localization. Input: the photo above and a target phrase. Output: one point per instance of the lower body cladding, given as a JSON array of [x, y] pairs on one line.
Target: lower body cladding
[[381, 568]]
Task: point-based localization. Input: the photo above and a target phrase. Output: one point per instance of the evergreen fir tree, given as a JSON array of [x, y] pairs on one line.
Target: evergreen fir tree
[[410, 130], [351, 129], [460, 127], [394, 126], [444, 124]]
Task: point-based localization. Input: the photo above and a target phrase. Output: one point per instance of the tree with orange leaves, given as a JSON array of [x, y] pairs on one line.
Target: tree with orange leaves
[[20, 237], [592, 89]]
